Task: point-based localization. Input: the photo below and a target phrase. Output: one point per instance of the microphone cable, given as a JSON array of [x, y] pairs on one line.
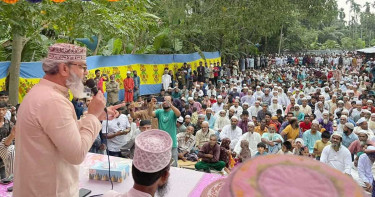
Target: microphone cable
[[106, 142]]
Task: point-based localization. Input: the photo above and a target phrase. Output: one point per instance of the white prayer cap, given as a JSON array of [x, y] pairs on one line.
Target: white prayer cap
[[235, 87], [234, 117], [208, 108], [300, 140], [362, 131], [304, 99], [222, 111], [349, 125], [296, 106], [250, 124], [308, 97], [257, 101], [361, 120], [245, 104], [258, 87], [325, 112], [187, 116], [365, 111], [345, 111], [373, 115], [315, 122], [370, 101], [219, 97], [344, 116], [358, 102], [191, 99], [274, 98], [180, 119], [128, 72], [337, 134], [245, 88], [198, 86], [340, 101]]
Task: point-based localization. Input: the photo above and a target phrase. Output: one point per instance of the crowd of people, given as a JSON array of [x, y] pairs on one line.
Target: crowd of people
[[314, 106], [219, 115]]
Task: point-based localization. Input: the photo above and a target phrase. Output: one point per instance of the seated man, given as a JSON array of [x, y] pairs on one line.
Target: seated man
[[210, 154], [203, 135], [252, 137], [7, 151], [356, 146], [312, 135], [365, 163], [272, 140], [337, 155], [128, 149], [186, 142], [232, 131]]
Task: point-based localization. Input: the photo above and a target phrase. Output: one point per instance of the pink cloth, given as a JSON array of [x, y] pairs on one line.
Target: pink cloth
[[131, 193], [203, 183], [4, 190], [51, 143]]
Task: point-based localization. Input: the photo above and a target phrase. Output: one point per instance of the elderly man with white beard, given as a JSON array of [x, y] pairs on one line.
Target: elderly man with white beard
[[252, 137], [326, 123], [343, 120], [339, 108], [319, 109], [336, 155], [221, 121], [305, 108], [248, 98], [232, 131], [258, 92], [237, 108], [363, 125], [52, 141], [357, 145], [371, 123], [255, 109], [275, 106]]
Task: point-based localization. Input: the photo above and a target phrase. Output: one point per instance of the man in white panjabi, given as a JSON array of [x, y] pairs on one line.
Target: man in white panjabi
[[51, 142], [232, 131], [166, 80], [252, 137]]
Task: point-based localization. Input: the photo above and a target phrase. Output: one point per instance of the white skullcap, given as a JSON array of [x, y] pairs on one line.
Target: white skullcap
[[325, 112], [187, 116], [315, 122], [344, 116], [370, 101], [304, 99], [234, 117], [361, 120], [358, 102], [362, 131], [250, 124], [300, 140], [245, 104], [180, 119], [219, 97], [191, 99], [373, 115], [337, 134], [340, 101]]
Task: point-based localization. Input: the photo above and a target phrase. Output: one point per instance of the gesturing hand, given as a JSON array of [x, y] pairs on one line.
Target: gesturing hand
[[112, 112]]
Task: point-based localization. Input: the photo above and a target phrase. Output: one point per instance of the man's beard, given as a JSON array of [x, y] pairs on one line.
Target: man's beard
[[335, 145], [274, 106], [233, 127], [75, 85], [325, 121], [362, 143], [163, 190], [371, 125]]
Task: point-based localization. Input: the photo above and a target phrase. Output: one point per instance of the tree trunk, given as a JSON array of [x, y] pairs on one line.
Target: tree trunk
[[281, 38], [97, 45], [14, 69]]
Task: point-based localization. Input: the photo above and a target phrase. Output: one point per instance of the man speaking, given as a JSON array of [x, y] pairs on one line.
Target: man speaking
[[51, 142]]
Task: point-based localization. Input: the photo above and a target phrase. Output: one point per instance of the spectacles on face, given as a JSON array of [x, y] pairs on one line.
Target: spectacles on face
[[83, 67]]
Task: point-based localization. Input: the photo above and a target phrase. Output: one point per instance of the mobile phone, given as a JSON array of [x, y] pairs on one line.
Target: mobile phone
[[10, 189], [84, 192], [5, 181]]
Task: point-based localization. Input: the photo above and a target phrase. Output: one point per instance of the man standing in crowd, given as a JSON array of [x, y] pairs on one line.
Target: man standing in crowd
[[167, 118], [137, 85], [128, 88], [112, 88]]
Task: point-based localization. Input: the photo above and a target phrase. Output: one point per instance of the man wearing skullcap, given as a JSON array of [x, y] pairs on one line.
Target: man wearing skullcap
[[255, 109], [203, 135], [365, 163], [272, 139], [348, 135], [232, 131], [150, 175], [252, 137], [356, 112], [166, 80], [52, 142], [325, 122], [216, 107], [128, 88], [312, 135], [363, 125], [336, 155], [357, 145], [237, 108]]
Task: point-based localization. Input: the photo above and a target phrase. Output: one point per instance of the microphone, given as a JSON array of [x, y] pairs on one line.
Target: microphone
[[92, 85]]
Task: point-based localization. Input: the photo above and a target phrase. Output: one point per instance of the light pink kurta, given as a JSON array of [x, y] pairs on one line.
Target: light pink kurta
[[50, 143]]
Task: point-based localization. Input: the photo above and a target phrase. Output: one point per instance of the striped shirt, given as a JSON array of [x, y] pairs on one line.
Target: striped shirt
[[7, 155]]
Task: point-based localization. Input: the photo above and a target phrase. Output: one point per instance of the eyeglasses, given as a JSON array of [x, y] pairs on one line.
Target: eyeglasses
[[83, 67]]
